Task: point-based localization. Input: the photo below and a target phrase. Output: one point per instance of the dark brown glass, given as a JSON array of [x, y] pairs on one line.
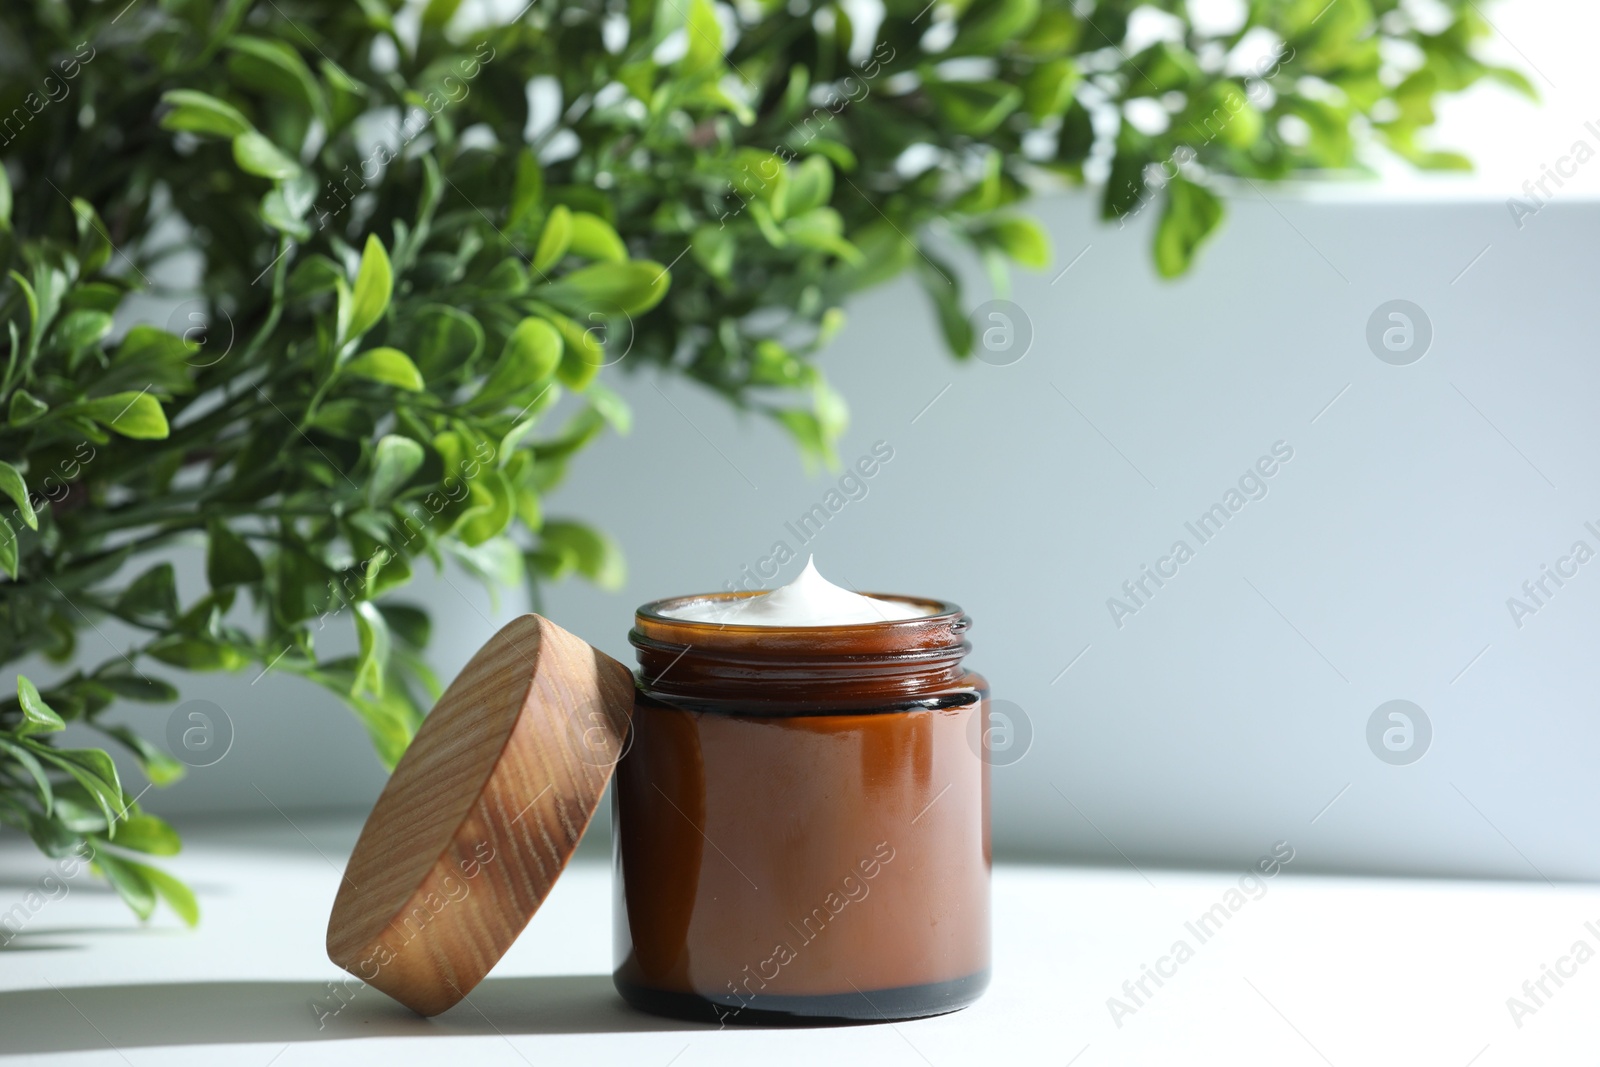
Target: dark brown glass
[[802, 821]]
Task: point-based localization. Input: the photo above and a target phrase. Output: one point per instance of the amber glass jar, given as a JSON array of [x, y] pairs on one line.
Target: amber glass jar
[[802, 820]]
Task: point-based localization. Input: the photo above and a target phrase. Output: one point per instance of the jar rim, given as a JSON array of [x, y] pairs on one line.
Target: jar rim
[[797, 669], [941, 612]]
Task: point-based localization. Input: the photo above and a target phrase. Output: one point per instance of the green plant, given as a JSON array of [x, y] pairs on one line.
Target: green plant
[[410, 276]]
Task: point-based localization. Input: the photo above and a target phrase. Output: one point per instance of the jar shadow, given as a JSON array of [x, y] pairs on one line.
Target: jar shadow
[[91, 1018]]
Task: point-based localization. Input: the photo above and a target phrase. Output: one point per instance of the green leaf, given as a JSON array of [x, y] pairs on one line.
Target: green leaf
[[704, 56], [152, 598], [409, 624], [988, 24], [135, 415], [259, 156], [53, 837], [25, 408], [147, 344], [173, 893], [346, 418], [196, 653], [840, 156], [530, 356], [285, 205], [584, 549], [157, 765], [585, 351], [611, 288], [974, 108], [527, 190], [766, 221], [713, 248], [77, 810], [159, 362], [611, 407], [390, 720], [822, 228], [348, 96], [832, 413], [582, 428], [944, 289], [94, 246], [513, 437], [97, 763], [129, 880], [5, 200], [806, 431], [1223, 112], [200, 113], [886, 252], [1515, 80], [37, 716], [389, 366], [314, 274], [1125, 186], [833, 321], [555, 239], [394, 461], [137, 686], [31, 764], [1164, 67], [36, 325], [1452, 161], [82, 327], [373, 660], [10, 557], [276, 69], [497, 562], [444, 340], [13, 486], [92, 769], [1023, 239], [99, 296], [386, 571], [1048, 88], [1192, 214], [148, 834], [529, 509], [438, 13], [593, 238], [491, 507], [810, 186], [1331, 142], [373, 288], [229, 560]]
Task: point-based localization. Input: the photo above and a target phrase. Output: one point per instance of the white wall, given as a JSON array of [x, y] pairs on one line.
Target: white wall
[[1228, 712]]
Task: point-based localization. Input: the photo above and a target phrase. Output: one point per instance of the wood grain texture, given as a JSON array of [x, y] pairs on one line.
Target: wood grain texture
[[481, 815]]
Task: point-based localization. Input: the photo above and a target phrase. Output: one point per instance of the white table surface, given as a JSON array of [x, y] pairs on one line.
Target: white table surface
[[1316, 971]]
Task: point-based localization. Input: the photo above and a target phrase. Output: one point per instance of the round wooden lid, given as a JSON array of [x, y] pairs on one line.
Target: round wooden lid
[[481, 814]]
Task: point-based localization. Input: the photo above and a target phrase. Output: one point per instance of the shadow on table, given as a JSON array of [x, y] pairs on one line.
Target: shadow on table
[[76, 1018], [41, 939]]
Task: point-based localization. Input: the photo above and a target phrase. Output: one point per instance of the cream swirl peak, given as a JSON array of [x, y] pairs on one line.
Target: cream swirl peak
[[809, 600]]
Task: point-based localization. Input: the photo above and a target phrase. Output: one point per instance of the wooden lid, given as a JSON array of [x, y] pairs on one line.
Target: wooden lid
[[481, 815]]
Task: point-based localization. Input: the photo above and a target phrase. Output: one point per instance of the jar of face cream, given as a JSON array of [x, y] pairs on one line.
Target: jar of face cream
[[801, 811], [801, 819]]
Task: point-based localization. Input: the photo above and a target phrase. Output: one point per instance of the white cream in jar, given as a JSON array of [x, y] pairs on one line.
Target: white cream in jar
[[809, 600]]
